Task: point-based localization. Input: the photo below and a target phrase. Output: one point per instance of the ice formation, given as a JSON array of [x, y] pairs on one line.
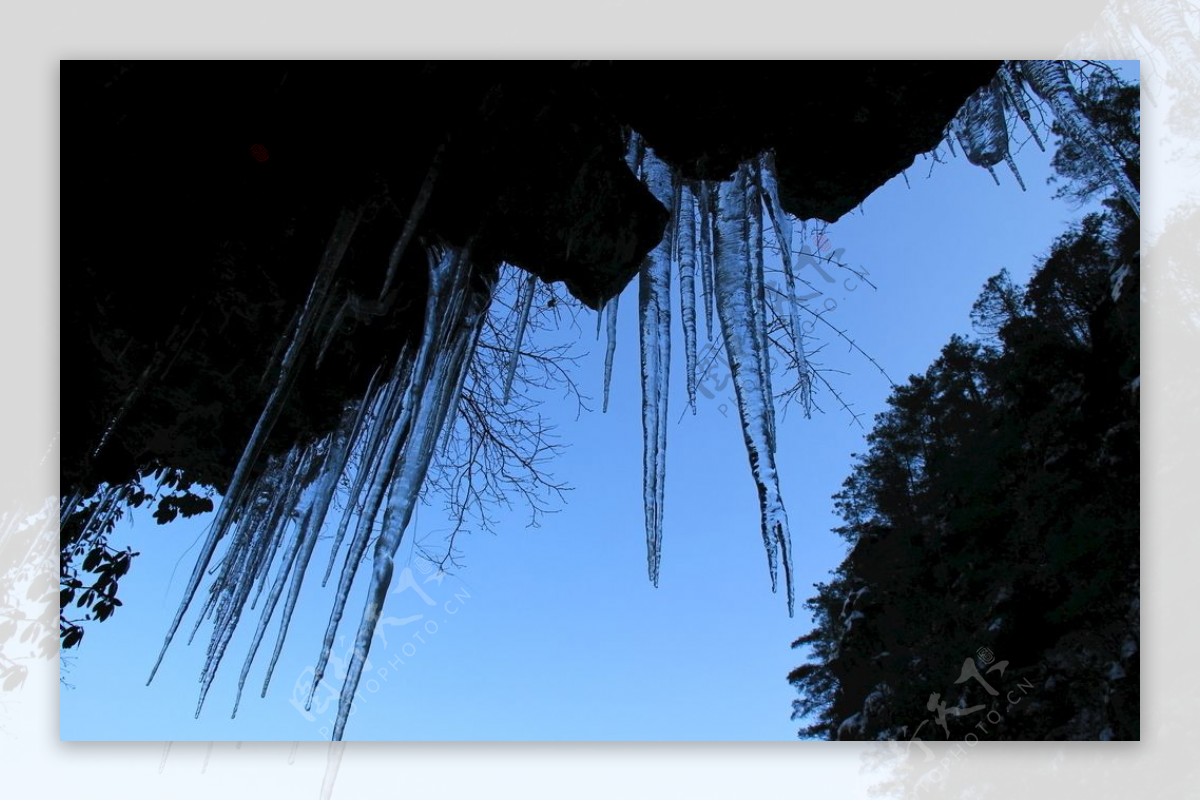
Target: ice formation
[[741, 308], [654, 315]]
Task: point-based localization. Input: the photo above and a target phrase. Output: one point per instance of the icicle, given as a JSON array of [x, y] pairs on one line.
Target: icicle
[[314, 305], [1049, 81], [254, 534], [288, 504], [949, 134], [706, 257], [142, 382], [331, 330], [383, 422], [634, 151], [610, 347], [69, 507], [414, 217], [322, 475], [311, 527], [241, 567], [758, 290], [769, 181], [456, 393], [654, 311], [284, 338], [524, 304], [1013, 90], [1012, 165], [736, 307], [982, 129], [457, 313], [992, 172], [399, 432], [686, 237]]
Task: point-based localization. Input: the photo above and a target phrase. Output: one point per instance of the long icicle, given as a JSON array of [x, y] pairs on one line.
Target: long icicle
[[236, 591], [686, 238], [758, 289], [398, 433], [1050, 82], [254, 525], [1015, 93], [654, 310], [377, 429], [458, 312], [323, 476], [739, 315], [769, 183], [444, 272], [413, 219], [335, 466], [1012, 165], [331, 259], [524, 304], [610, 346], [706, 257]]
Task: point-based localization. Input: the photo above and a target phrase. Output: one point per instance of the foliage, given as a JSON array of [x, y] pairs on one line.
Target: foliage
[[90, 569], [997, 507]]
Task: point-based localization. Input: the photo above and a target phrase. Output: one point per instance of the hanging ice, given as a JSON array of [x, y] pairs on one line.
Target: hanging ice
[[524, 303], [452, 318], [1012, 165], [410, 223], [782, 224], [233, 500], [320, 484], [741, 314], [610, 347], [706, 256], [686, 237], [758, 293], [271, 524], [1015, 93], [1049, 80], [982, 130], [654, 311]]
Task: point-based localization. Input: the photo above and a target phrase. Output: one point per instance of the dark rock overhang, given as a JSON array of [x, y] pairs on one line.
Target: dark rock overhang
[[197, 196]]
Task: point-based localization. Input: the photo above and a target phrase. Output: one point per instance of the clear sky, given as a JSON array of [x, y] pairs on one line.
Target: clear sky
[[555, 633]]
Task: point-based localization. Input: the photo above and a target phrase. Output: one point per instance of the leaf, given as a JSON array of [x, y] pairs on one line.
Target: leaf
[[93, 559], [166, 511], [66, 596], [72, 637]]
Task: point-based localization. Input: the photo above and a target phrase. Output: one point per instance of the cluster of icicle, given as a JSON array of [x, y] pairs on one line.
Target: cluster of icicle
[[383, 445], [717, 229], [271, 514], [982, 124]]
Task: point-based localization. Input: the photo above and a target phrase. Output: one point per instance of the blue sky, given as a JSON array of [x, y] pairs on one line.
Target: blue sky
[[555, 633]]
